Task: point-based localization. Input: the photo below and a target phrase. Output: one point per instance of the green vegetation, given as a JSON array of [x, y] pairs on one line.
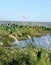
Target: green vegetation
[[27, 56], [31, 54], [20, 32]]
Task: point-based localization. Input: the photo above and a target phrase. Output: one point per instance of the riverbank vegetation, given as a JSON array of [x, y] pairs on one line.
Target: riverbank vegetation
[[31, 54], [20, 32]]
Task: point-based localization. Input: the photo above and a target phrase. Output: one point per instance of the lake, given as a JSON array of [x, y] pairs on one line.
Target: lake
[[44, 41]]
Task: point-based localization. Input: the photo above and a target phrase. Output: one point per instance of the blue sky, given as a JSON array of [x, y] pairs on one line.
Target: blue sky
[[25, 10]]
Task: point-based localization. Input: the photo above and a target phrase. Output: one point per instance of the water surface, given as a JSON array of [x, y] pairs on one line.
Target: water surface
[[44, 41]]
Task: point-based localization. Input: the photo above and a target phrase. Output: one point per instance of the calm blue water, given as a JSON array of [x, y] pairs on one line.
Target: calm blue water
[[44, 41]]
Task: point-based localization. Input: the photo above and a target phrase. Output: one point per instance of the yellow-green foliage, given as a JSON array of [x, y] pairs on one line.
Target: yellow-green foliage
[[30, 55], [26, 56]]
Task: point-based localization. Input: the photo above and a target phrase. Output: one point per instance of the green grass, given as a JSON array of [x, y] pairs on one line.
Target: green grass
[[27, 56], [30, 55]]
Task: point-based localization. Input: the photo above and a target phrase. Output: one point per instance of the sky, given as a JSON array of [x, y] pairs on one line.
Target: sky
[[25, 10]]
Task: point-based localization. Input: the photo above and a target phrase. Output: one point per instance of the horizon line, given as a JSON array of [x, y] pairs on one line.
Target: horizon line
[[21, 21]]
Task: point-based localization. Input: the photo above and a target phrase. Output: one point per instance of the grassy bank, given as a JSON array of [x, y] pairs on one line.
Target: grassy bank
[[30, 55], [20, 32]]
